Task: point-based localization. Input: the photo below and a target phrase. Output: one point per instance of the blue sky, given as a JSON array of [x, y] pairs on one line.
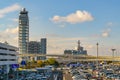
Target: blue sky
[[64, 22]]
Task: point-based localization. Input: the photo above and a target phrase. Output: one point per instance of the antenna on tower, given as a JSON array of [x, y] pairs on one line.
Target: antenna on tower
[[23, 9]]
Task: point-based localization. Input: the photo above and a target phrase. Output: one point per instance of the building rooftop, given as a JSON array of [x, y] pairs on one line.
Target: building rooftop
[[8, 46]]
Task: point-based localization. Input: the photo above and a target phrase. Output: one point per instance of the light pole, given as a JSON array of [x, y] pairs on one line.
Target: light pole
[[113, 50], [97, 49], [97, 54]]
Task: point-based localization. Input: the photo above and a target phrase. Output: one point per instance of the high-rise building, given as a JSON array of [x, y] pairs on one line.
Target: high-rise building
[[43, 45], [78, 48], [23, 31], [34, 47], [37, 47]]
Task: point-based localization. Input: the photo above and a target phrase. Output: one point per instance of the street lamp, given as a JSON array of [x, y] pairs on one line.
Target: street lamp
[[97, 49], [97, 54], [113, 50]]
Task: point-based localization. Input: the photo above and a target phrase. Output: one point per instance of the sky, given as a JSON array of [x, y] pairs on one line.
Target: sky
[[64, 22]]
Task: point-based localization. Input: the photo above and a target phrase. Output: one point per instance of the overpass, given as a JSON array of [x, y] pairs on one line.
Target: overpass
[[63, 58]]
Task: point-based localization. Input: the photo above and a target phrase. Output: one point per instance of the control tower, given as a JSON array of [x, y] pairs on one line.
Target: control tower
[[23, 31]]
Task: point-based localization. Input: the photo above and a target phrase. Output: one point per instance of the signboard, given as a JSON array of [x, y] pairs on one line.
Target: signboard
[[23, 63], [15, 65]]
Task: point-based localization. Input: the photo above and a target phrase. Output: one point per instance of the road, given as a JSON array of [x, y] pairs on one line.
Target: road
[[66, 75], [58, 75]]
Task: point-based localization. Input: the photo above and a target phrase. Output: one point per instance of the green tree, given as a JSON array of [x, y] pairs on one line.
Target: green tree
[[46, 62], [52, 61], [40, 63]]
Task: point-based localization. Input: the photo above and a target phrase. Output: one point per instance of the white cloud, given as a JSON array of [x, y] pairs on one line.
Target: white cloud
[[110, 24], [12, 30], [90, 46], [1, 15], [9, 9], [77, 17], [2, 25], [15, 19], [52, 35], [106, 33], [9, 35]]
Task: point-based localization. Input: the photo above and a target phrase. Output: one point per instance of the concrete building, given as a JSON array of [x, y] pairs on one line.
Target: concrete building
[[43, 45], [23, 31], [80, 50], [37, 47], [8, 56], [34, 47]]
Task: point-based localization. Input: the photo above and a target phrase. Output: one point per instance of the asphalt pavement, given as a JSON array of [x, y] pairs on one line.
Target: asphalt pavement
[[58, 75], [66, 75]]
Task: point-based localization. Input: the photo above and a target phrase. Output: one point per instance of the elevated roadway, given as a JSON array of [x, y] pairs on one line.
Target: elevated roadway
[[74, 57]]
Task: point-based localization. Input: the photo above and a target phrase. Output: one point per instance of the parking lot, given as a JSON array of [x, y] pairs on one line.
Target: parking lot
[[92, 71]]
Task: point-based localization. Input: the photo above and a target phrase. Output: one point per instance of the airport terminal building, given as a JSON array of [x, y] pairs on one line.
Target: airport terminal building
[[80, 50]]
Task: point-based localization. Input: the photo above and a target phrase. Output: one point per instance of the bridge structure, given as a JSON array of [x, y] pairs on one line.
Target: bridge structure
[[73, 58]]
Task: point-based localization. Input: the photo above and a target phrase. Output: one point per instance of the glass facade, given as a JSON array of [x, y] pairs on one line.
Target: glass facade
[[23, 31], [43, 45]]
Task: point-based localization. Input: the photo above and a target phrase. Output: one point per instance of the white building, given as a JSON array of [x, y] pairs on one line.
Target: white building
[[8, 55]]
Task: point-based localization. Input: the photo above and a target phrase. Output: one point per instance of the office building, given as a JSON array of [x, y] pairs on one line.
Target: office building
[[23, 31], [34, 47], [43, 45]]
